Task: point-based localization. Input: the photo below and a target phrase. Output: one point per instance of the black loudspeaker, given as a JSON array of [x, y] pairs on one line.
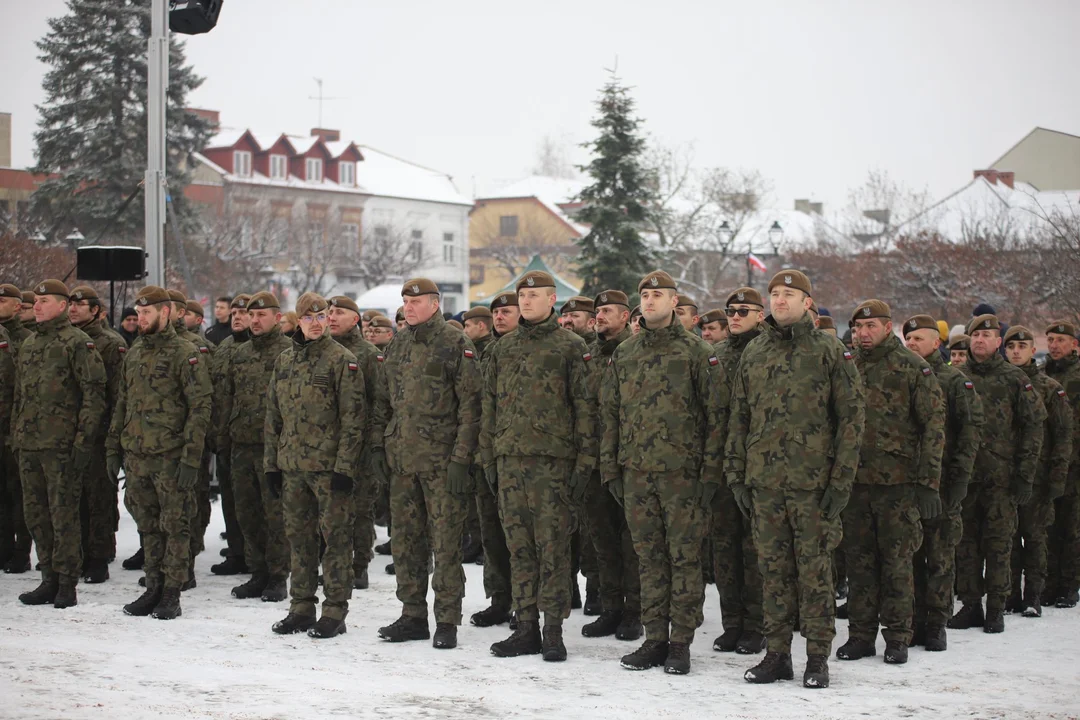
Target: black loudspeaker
[[116, 263], [193, 17]]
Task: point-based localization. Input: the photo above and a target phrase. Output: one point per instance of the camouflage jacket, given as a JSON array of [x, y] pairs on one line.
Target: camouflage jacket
[[163, 403], [904, 435], [1012, 433], [797, 411], [17, 332], [963, 421], [730, 350], [112, 349], [536, 396], [7, 382], [1067, 372], [244, 387], [369, 358], [427, 409], [662, 405], [219, 365], [316, 411], [482, 346], [1057, 430], [59, 389], [602, 349]]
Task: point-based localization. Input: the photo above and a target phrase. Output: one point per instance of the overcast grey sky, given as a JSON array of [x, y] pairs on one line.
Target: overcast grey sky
[[813, 94]]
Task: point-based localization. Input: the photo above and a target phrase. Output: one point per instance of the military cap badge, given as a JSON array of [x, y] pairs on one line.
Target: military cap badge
[[866, 312], [261, 302], [741, 296], [41, 289], [530, 282], [502, 300], [603, 297], [654, 281], [78, 295], [787, 279], [416, 288], [986, 323], [142, 301], [572, 304], [912, 323], [1061, 328]]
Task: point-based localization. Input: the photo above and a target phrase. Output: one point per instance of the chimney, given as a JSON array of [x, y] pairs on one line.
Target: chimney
[[1008, 178], [817, 208], [326, 135], [5, 139], [802, 205], [991, 175], [212, 115]]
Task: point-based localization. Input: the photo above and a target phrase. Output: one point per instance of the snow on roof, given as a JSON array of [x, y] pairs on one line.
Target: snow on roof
[[552, 193], [388, 176], [338, 147], [302, 143]]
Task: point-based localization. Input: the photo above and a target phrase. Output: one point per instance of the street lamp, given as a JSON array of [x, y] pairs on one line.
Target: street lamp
[[776, 236], [725, 233]]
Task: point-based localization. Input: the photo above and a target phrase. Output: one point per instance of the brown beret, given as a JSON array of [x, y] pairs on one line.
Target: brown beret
[[481, 313], [11, 291], [535, 279], [1018, 332], [366, 315], [656, 280], [983, 322], [152, 295], [745, 296], [309, 303], [240, 302], [177, 297], [83, 292], [194, 306], [578, 303], [826, 323], [636, 312], [52, 287], [28, 297], [419, 286], [686, 301], [960, 342], [264, 301], [508, 297], [399, 315], [873, 309], [344, 301], [792, 279], [920, 322], [713, 316], [381, 321], [611, 297], [455, 323], [1062, 327]]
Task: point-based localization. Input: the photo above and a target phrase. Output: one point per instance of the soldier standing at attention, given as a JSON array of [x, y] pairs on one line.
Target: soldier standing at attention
[[59, 408], [1063, 550], [896, 485], [15, 541], [579, 316], [382, 332], [160, 423], [258, 506], [7, 401], [26, 313], [539, 449], [635, 320], [193, 320], [427, 417], [314, 435], [958, 350], [714, 326], [1004, 471], [505, 313], [796, 421], [686, 311]]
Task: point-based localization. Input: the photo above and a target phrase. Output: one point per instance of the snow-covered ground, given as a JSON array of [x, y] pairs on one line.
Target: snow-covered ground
[[220, 660]]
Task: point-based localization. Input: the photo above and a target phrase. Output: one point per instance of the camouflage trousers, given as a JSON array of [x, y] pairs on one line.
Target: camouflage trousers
[[259, 513], [883, 531], [667, 523], [51, 496], [735, 565], [935, 568], [312, 512], [795, 544], [1063, 546], [99, 512], [363, 520], [200, 509], [496, 554], [234, 536], [617, 573], [839, 565], [989, 516], [1029, 546], [428, 517], [534, 507], [162, 513], [14, 535]]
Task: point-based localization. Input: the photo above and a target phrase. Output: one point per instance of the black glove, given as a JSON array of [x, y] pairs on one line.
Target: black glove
[[743, 498], [833, 502], [928, 501], [579, 483], [380, 466], [491, 474], [458, 479], [273, 482], [955, 492], [615, 487], [187, 478], [80, 459], [340, 483], [706, 491], [112, 466]]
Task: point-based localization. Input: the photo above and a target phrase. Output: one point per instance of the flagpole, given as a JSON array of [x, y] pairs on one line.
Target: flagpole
[[749, 267]]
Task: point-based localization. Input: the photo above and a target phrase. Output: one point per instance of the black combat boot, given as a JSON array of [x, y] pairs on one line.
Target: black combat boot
[[918, 634], [406, 628], [1068, 600], [65, 595], [652, 653], [17, 565], [512, 622], [230, 566], [275, 590], [630, 627], [497, 614], [390, 569], [750, 643], [253, 588], [146, 602], [294, 623], [816, 675], [593, 606], [728, 640], [774, 666], [1034, 607], [525, 640], [841, 612], [445, 636], [603, 626], [856, 649], [135, 562], [678, 659], [995, 620], [97, 571], [384, 548], [552, 645], [842, 590], [969, 616], [1015, 603], [360, 579], [169, 606], [895, 652], [936, 638], [326, 628], [43, 594]]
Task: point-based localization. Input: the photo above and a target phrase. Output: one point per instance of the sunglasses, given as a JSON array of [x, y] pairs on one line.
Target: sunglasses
[[741, 312]]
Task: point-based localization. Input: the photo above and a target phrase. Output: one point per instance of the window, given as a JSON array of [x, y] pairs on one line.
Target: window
[[314, 169], [247, 235], [448, 248], [279, 168], [241, 163], [347, 173], [416, 250], [382, 232], [508, 226], [278, 236], [350, 237], [417, 234], [315, 233], [476, 274]]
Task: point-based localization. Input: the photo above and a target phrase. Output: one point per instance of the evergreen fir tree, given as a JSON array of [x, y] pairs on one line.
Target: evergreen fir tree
[[92, 126], [613, 254]]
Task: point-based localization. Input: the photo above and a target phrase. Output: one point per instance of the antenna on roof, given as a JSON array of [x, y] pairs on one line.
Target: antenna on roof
[[321, 98]]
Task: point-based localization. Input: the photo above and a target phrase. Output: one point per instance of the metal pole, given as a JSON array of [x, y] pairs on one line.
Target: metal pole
[[749, 267], [157, 65]]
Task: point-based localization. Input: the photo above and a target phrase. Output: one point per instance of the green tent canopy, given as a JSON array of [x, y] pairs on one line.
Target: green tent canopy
[[563, 290]]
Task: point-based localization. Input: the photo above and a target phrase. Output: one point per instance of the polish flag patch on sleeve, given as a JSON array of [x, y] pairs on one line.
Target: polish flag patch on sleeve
[[353, 367], [3, 345], [379, 358], [122, 350], [848, 355], [587, 357], [1029, 387], [1061, 393], [469, 353], [713, 361], [969, 385], [89, 346], [926, 371], [204, 350], [193, 361]]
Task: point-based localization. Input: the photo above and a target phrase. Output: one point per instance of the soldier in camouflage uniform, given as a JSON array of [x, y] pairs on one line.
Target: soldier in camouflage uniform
[[1063, 546], [382, 332], [539, 450], [7, 401], [258, 506], [99, 512], [796, 423], [687, 312], [958, 350], [735, 563], [314, 435], [714, 327], [57, 418], [578, 315], [1035, 518], [344, 316], [427, 417], [160, 423], [935, 566], [1005, 469], [896, 485], [15, 538], [193, 319], [663, 425]]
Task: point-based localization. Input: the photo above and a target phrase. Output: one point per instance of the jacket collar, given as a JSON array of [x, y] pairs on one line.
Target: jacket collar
[[266, 339], [657, 336], [426, 330], [545, 327]]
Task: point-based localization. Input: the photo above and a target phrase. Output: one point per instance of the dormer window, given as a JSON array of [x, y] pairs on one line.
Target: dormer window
[[242, 163], [347, 173], [314, 169], [278, 167]]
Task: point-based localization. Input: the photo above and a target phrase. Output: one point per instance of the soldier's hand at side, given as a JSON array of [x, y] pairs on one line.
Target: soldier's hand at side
[[579, 483], [380, 466], [112, 465], [928, 501], [458, 479], [340, 483], [187, 477], [706, 491], [1022, 492], [742, 498], [491, 474], [273, 482], [833, 502], [80, 459], [955, 494], [615, 487]]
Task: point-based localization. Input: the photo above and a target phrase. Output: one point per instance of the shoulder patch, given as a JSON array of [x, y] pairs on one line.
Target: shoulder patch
[[714, 361], [1028, 387], [587, 357], [469, 353], [90, 345], [353, 367], [1061, 393], [204, 350], [3, 345], [193, 361], [380, 357], [969, 385], [926, 371], [121, 349], [848, 355], [610, 360]]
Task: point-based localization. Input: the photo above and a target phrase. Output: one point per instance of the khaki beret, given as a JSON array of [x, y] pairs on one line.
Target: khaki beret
[[792, 279], [264, 301], [381, 321], [177, 297], [10, 291], [1062, 327], [194, 306], [826, 323], [686, 301], [152, 295], [578, 303], [455, 323], [713, 316], [920, 322], [399, 315], [535, 279], [52, 287], [240, 302], [636, 312], [745, 296], [28, 297], [310, 303], [983, 322], [419, 286], [366, 315], [83, 292], [1018, 332], [960, 342], [873, 309], [481, 313], [657, 279], [508, 297], [344, 301], [611, 297]]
